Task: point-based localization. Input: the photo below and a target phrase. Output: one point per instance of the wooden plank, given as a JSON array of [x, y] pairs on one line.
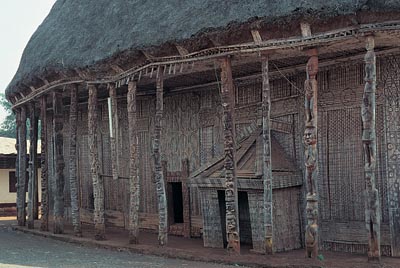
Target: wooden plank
[[58, 124], [368, 115], [158, 171], [267, 163], [98, 185], [73, 178], [231, 195], [134, 185], [44, 225]]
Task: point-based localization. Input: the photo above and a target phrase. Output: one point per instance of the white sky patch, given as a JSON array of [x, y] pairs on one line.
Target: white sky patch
[[18, 21]]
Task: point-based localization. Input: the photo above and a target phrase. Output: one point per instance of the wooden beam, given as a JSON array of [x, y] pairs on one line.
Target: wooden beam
[[158, 171], [267, 166], [33, 169], [181, 50], [73, 158], [311, 153], [116, 68], [231, 195], [44, 226], [98, 185], [58, 145], [114, 126], [256, 36], [134, 185], [21, 180], [305, 29], [368, 115]]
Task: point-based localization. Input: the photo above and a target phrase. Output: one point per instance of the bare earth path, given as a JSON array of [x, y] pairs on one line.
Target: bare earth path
[[20, 250]]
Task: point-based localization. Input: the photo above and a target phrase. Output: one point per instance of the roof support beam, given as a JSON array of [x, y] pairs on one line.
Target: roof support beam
[[98, 184], [231, 193], [21, 165], [58, 142], [134, 190], [158, 170], [368, 115]]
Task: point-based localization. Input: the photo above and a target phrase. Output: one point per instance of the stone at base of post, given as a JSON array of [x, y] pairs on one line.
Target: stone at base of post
[[311, 235], [58, 225], [100, 233], [268, 245]]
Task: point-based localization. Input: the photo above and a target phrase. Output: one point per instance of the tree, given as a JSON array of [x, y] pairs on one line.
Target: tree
[[7, 128]]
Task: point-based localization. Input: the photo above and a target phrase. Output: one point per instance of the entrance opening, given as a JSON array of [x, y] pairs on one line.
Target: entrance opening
[[244, 217], [177, 201]]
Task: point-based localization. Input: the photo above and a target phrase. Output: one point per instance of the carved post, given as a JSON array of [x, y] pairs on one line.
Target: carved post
[[73, 179], [58, 123], [33, 183], [44, 226], [21, 180], [186, 198], [266, 167], [98, 185], [311, 154], [158, 172], [231, 196], [372, 208], [113, 124], [134, 186]]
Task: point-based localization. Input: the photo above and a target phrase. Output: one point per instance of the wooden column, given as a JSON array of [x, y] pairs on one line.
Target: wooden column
[[311, 154], [368, 114], [73, 178], [134, 186], [21, 179], [98, 185], [44, 226], [158, 170], [58, 125], [267, 166], [231, 195], [33, 172], [113, 124], [186, 198]]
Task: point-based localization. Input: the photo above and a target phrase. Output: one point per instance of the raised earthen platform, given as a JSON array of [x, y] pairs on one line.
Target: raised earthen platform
[[192, 249]]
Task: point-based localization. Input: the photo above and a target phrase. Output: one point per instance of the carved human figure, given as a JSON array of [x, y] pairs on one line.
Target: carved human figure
[[311, 235], [372, 217], [310, 141]]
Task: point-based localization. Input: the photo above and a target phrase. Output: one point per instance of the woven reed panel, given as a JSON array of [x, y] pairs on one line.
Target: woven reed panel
[[85, 180]]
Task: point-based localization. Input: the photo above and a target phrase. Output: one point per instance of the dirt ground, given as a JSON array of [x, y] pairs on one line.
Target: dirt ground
[[193, 250]]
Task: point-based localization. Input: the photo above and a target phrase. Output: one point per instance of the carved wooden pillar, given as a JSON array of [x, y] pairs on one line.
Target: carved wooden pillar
[[21, 180], [231, 195], [33, 172], [134, 186], [113, 124], [368, 114], [73, 178], [58, 122], [186, 198], [98, 185], [44, 226], [311, 154], [158, 172], [267, 167]]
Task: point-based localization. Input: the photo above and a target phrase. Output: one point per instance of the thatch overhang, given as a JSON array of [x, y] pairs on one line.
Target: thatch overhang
[[112, 42]]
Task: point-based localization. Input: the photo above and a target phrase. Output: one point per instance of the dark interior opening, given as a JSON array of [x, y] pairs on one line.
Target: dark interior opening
[[244, 217], [177, 201]]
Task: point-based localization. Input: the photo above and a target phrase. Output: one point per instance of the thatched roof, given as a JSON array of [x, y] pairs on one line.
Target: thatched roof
[[82, 33]]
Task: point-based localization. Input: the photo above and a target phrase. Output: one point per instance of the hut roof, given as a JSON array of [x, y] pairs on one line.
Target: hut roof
[[77, 34]]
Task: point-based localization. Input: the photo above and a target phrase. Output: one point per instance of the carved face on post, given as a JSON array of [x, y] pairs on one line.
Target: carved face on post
[[310, 137], [312, 67]]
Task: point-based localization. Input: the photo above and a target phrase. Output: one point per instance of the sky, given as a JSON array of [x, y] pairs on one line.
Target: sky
[[18, 21]]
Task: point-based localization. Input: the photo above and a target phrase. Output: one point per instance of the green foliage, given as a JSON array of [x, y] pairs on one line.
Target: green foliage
[[7, 128]]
